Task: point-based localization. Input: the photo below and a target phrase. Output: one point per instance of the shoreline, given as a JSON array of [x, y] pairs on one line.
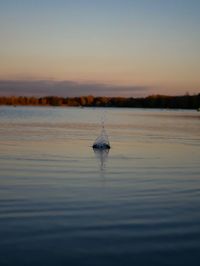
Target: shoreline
[[188, 102]]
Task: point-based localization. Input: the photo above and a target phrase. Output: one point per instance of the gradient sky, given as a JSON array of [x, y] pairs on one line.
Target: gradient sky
[[113, 47]]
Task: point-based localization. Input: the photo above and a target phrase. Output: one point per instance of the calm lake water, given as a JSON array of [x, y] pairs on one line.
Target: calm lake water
[[63, 204]]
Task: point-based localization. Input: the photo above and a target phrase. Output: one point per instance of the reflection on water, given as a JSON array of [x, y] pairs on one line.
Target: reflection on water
[[102, 155], [54, 209]]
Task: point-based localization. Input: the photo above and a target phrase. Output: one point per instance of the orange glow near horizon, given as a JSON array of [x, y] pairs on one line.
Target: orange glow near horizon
[[120, 45]]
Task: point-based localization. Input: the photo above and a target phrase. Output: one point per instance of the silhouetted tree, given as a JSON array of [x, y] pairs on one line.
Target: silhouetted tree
[[155, 101]]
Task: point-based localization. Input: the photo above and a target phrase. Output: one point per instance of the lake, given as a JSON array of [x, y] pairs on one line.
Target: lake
[[61, 203]]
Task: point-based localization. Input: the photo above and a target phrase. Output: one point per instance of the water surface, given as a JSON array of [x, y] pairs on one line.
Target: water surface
[[63, 204]]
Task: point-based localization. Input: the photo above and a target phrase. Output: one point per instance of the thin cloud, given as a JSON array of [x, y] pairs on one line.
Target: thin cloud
[[66, 88]]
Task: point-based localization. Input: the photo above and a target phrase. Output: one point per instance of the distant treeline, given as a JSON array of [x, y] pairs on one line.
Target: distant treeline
[[154, 101]]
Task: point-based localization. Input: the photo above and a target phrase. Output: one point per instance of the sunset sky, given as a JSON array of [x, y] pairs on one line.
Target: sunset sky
[[99, 47]]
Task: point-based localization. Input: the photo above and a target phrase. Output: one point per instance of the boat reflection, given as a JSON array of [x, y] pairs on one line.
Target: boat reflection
[[102, 155]]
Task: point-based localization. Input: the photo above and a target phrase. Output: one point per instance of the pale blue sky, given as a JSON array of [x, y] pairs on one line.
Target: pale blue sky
[[145, 43]]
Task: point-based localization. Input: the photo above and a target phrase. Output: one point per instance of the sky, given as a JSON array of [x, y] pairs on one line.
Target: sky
[[99, 47]]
